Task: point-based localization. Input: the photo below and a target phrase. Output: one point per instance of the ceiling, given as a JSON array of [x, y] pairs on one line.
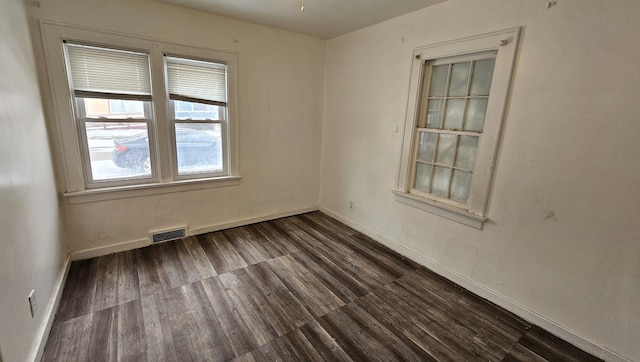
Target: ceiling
[[324, 19]]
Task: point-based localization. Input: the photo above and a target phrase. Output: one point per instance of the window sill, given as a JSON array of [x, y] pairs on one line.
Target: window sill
[[440, 209], [123, 192]]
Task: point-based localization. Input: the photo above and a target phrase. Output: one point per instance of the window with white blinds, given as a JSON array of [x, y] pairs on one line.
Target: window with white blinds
[[197, 81], [140, 116], [108, 73]]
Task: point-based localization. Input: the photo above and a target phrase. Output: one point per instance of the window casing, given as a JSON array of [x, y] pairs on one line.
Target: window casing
[[126, 122], [456, 105]]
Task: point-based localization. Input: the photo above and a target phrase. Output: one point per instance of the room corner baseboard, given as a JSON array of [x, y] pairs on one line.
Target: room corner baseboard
[[480, 290], [50, 312]]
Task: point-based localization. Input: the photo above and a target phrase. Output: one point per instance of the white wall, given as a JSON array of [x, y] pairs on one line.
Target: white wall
[[280, 76], [569, 148], [32, 253]]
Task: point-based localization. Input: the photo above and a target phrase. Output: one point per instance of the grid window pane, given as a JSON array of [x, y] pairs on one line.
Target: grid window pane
[[118, 150], [482, 76], [438, 83], [434, 113], [460, 185], [459, 79], [199, 147], [191, 110], [476, 112], [454, 114], [446, 146], [466, 156], [423, 177], [427, 146], [113, 108], [441, 177]]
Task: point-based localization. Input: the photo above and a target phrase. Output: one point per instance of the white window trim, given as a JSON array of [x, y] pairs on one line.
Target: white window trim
[[69, 142], [505, 42]]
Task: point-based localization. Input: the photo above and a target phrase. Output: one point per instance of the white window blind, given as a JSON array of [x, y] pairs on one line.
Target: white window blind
[[197, 81], [108, 73]]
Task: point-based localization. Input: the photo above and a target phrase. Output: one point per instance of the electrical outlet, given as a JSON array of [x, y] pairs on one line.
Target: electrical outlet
[[33, 305], [352, 205]]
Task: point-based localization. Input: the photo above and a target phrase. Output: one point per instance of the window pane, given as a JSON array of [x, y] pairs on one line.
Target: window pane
[[482, 75], [441, 178], [438, 83], [446, 143], [427, 146], [118, 150], [466, 155], [459, 79], [190, 110], [199, 147], [434, 113], [460, 185], [454, 113], [475, 115], [423, 176], [113, 108]]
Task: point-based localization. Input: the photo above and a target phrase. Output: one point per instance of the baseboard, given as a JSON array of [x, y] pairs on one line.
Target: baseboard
[[140, 243], [247, 221], [490, 295], [50, 312]]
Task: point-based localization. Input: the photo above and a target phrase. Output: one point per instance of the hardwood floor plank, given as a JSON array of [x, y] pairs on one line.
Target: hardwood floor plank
[[324, 344], [103, 336], [72, 337], [199, 259], [239, 296], [311, 293], [157, 330], [519, 353], [551, 347], [147, 267], [130, 332], [346, 293], [236, 330], [281, 299], [276, 239], [221, 253], [128, 280], [106, 286]]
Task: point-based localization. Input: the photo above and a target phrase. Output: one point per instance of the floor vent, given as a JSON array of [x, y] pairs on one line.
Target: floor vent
[[168, 235]]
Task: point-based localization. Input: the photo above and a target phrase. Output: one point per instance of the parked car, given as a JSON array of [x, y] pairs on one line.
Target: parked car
[[195, 148]]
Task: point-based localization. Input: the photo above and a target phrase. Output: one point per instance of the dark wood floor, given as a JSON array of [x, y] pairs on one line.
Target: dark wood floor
[[302, 288]]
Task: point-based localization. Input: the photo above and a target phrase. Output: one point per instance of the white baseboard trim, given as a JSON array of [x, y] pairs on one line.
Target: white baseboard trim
[[247, 221], [141, 243], [50, 312], [480, 290]]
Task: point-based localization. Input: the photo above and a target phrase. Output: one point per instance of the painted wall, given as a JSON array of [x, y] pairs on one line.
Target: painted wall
[[31, 257], [563, 240], [280, 76]]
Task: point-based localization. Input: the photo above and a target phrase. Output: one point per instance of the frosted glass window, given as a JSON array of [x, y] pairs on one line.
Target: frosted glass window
[[441, 177], [482, 75], [460, 185], [427, 146], [459, 79], [466, 155], [454, 114], [438, 81], [446, 148], [423, 177], [434, 113], [476, 111]]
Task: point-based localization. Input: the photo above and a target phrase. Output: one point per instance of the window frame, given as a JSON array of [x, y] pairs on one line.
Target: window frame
[[71, 143], [474, 212]]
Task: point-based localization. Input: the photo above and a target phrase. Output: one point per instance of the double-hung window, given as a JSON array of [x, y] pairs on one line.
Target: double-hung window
[[457, 101], [135, 114]]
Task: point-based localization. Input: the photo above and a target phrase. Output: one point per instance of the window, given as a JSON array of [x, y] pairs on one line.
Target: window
[[136, 114], [457, 100]]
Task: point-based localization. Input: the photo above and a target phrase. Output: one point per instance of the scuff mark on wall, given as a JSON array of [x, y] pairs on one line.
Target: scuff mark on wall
[[551, 215]]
